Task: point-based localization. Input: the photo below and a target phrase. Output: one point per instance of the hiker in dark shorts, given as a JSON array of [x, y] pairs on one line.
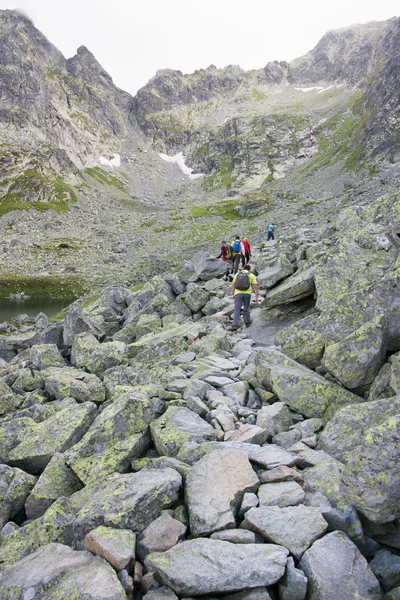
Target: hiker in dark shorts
[[242, 297], [271, 232]]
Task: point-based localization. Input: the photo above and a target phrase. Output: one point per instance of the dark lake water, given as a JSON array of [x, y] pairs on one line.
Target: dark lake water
[[31, 306]]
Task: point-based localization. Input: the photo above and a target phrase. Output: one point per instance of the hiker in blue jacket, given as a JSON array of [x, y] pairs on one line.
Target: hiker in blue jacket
[[236, 248], [271, 230]]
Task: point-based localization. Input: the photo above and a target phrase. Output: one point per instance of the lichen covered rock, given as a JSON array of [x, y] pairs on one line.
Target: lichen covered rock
[[356, 360], [117, 436], [177, 426], [371, 478], [303, 390], [73, 383]]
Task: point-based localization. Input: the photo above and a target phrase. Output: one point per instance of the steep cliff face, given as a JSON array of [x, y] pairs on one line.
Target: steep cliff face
[[57, 116]]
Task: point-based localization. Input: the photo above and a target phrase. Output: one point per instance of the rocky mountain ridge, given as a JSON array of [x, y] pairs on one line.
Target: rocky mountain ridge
[[86, 197]]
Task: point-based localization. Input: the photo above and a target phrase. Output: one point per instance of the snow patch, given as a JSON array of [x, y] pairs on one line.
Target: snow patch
[[310, 89], [115, 161], [325, 89], [318, 88], [180, 160]]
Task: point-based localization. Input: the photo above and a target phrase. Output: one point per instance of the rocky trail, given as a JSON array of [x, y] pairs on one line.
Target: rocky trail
[[146, 451]]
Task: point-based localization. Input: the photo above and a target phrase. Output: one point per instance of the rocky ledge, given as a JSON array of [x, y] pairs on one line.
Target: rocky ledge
[[146, 449]]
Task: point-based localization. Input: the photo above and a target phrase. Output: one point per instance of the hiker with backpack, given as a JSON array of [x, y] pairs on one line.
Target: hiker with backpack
[[246, 251], [225, 253], [242, 286], [236, 248], [271, 232]]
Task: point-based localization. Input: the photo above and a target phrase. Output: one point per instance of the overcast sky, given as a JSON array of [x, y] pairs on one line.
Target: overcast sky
[[132, 39]]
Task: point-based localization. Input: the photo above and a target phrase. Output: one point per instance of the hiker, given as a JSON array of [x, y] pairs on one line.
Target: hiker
[[225, 253], [236, 248], [242, 285], [271, 230], [246, 251]]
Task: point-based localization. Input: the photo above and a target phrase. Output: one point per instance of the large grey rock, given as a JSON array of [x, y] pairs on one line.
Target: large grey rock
[[237, 536], [44, 356], [386, 567], [155, 296], [281, 493], [325, 476], [56, 434], [345, 575], [117, 436], [164, 346], [274, 418], [57, 480], [214, 490], [202, 266], [295, 288], [371, 480], [54, 526], [87, 353], [76, 321], [196, 298], [177, 426], [303, 390], [57, 571], [294, 527], [237, 392], [20, 340], [268, 456], [356, 360], [15, 486], [293, 585], [73, 383], [9, 401], [161, 535], [131, 501], [305, 347], [272, 275], [349, 425], [204, 566]]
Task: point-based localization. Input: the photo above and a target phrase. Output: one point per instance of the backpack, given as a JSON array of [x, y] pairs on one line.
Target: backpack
[[228, 253], [237, 247], [271, 228], [242, 281]]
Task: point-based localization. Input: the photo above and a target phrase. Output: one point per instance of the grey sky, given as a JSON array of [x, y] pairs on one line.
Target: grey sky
[[133, 39]]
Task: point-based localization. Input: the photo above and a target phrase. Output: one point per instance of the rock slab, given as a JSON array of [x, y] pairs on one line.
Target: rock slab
[[214, 490], [205, 566]]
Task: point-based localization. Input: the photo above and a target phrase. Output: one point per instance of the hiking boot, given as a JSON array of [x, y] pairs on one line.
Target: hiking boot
[[248, 324], [233, 328]]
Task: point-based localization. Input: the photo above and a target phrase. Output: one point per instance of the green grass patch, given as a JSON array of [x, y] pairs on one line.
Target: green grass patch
[[167, 227], [56, 286], [89, 301], [31, 183], [13, 203], [105, 178], [128, 202], [342, 137], [137, 288], [224, 209], [149, 223], [220, 178], [257, 95]]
